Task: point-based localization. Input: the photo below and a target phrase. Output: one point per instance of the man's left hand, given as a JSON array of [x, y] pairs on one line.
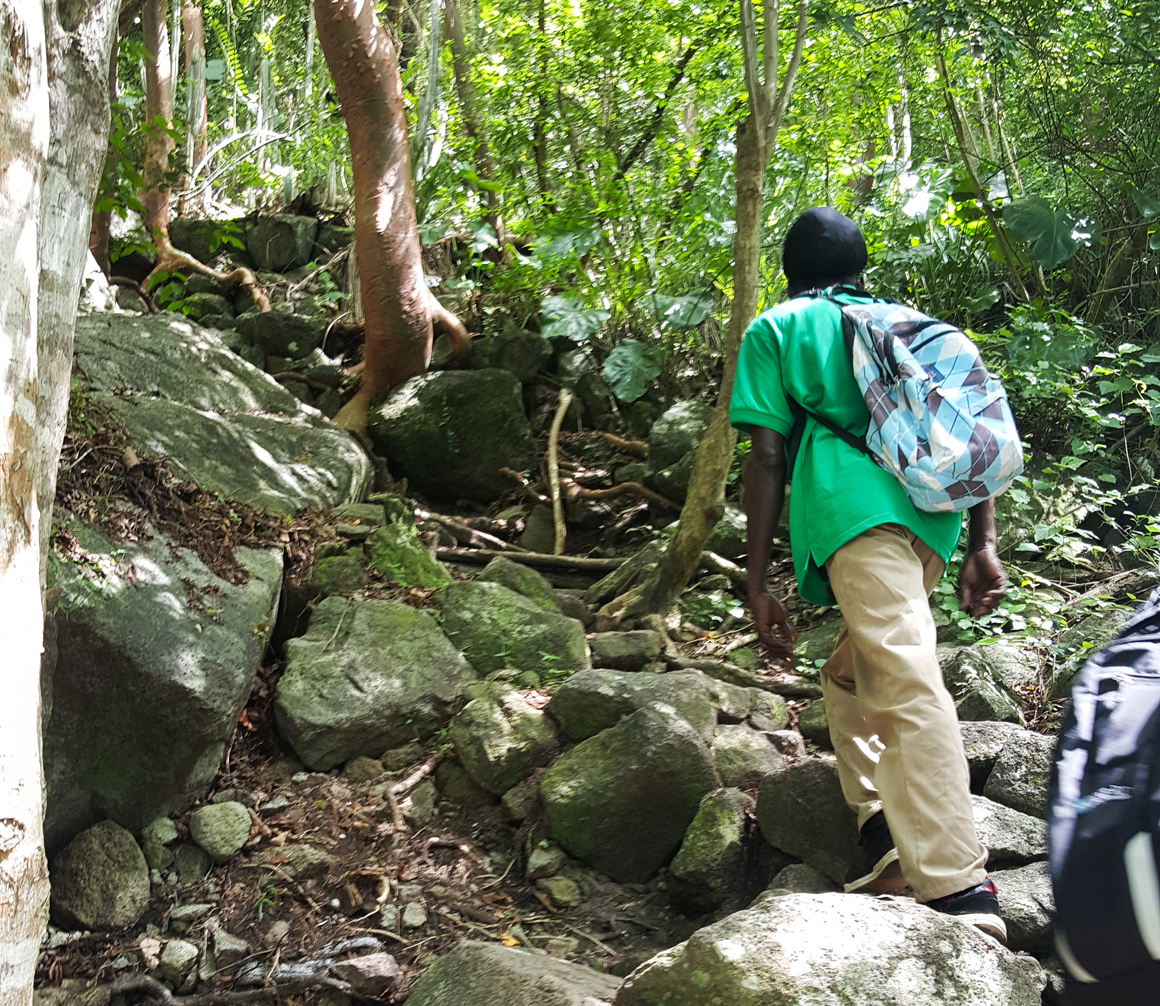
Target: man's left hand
[[982, 582]]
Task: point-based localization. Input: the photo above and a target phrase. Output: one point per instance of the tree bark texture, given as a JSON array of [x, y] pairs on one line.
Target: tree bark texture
[[398, 306], [756, 139], [158, 117], [103, 219], [78, 74], [24, 134], [193, 35], [472, 121]]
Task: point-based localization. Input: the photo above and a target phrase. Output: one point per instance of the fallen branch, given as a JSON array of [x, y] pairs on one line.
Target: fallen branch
[[714, 563], [334, 260], [465, 535], [416, 777], [155, 992], [524, 484], [637, 448], [624, 489], [483, 556], [554, 470]]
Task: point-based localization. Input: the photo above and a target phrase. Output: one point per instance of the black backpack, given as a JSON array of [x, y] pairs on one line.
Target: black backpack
[[1104, 808]]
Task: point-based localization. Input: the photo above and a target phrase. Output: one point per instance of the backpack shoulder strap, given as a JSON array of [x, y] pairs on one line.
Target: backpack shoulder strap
[[800, 413]]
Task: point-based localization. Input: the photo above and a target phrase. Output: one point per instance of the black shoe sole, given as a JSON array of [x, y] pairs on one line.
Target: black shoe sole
[[884, 878]]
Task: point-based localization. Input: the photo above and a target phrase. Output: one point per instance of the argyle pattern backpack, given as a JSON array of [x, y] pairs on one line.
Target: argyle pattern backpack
[[939, 422]]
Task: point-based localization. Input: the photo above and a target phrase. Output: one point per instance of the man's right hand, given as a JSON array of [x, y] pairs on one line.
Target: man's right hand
[[767, 613]]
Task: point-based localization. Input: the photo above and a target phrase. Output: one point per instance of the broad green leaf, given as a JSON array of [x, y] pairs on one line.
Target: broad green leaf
[[1053, 236], [483, 238], [1149, 206], [984, 300], [567, 243], [1154, 241], [681, 312], [562, 316], [629, 368], [429, 233]]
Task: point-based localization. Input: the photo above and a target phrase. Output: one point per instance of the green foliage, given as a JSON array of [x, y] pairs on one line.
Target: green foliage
[[629, 368], [562, 316], [1054, 236]]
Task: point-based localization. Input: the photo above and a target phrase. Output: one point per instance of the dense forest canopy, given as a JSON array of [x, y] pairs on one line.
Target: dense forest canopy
[[1001, 158]]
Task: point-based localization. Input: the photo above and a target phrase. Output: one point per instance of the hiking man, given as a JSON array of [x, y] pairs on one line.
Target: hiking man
[[858, 541]]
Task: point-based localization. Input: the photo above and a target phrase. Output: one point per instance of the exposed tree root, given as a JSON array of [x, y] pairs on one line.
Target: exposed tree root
[[637, 448], [137, 288], [155, 992], [483, 556], [554, 470], [529, 493], [170, 259], [624, 489]]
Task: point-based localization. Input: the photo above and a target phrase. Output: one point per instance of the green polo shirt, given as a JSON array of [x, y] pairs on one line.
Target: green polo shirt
[[797, 349]]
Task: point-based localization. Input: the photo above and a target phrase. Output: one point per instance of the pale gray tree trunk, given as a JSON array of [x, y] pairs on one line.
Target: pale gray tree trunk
[[79, 48], [54, 119], [24, 131]]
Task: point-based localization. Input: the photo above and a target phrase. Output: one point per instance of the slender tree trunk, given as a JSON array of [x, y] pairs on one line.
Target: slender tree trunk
[[756, 139], [472, 120], [102, 219], [193, 33], [24, 130], [398, 306], [158, 148]]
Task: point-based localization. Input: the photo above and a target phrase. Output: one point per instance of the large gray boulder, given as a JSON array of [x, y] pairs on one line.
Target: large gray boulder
[[744, 756], [486, 974], [830, 949], [201, 238], [983, 742], [366, 677], [156, 658], [517, 351], [594, 700], [1076, 643], [1019, 778], [802, 812], [450, 433], [977, 685], [180, 392], [1028, 907], [500, 738], [1010, 837], [280, 241], [497, 628], [709, 869], [676, 433], [100, 881], [622, 800], [531, 583], [282, 333]]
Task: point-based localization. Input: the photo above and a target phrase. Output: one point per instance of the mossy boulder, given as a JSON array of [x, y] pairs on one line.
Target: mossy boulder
[[339, 574], [709, 869], [980, 693], [622, 800], [519, 352], [524, 580], [200, 238], [744, 756], [366, 677], [596, 699], [500, 738], [767, 712], [396, 552], [798, 949], [814, 725], [221, 829], [280, 241], [497, 628], [281, 333], [983, 743], [677, 433], [100, 881], [451, 433], [728, 537], [625, 651], [1078, 642], [1019, 778], [802, 812], [1011, 837]]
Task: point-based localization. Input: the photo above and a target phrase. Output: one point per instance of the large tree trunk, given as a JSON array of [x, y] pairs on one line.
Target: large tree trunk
[[24, 131], [472, 121], [397, 304], [193, 32]]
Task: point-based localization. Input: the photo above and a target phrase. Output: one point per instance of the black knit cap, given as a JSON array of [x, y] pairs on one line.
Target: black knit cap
[[822, 248]]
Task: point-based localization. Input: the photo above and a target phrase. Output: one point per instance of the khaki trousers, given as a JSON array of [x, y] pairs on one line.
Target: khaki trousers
[[892, 722]]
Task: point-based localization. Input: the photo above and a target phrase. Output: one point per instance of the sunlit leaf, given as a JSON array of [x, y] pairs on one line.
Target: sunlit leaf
[[629, 368], [681, 312], [1052, 236], [562, 316], [1149, 206]]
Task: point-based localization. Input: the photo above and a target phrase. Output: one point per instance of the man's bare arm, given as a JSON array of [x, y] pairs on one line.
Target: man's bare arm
[[764, 498], [982, 580]]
